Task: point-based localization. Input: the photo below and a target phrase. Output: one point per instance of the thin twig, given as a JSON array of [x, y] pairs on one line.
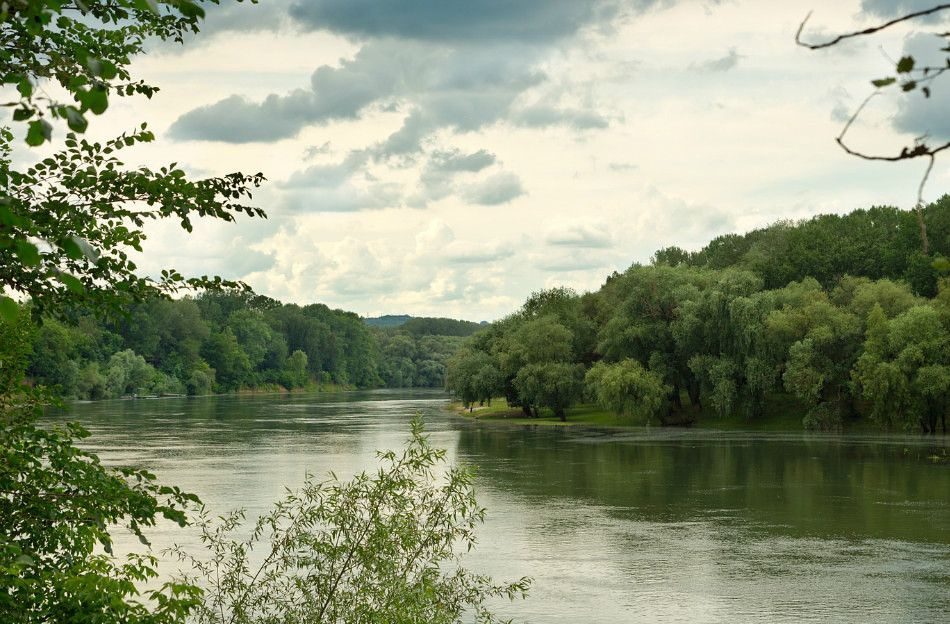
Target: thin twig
[[866, 31]]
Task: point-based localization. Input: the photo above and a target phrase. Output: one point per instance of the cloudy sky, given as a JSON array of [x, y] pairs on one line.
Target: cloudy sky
[[447, 158]]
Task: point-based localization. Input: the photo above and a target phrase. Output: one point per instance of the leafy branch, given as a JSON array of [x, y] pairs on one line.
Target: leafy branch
[[909, 77]]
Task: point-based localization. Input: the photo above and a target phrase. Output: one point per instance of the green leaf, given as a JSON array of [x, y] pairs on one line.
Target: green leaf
[[942, 265], [148, 5], [883, 82], [25, 87], [28, 252], [72, 283], [22, 114], [191, 9], [95, 99], [73, 251], [905, 65], [90, 252], [108, 70], [75, 119], [909, 86], [39, 131], [25, 560], [8, 309]]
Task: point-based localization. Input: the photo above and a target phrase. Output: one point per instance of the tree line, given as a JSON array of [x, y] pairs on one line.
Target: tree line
[[843, 318], [227, 341]]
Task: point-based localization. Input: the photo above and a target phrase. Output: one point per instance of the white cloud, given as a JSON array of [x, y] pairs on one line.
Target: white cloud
[[453, 176]]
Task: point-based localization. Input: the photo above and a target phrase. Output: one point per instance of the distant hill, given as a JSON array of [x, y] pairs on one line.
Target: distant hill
[[389, 320], [425, 326]]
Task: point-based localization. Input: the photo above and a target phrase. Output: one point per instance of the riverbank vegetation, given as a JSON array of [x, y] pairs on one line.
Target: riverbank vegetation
[[842, 316], [235, 341]]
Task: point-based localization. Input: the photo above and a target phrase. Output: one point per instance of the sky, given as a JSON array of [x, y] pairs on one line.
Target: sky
[[448, 158]]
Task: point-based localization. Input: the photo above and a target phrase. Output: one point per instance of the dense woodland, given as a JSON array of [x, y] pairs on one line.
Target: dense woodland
[[223, 342], [844, 318]]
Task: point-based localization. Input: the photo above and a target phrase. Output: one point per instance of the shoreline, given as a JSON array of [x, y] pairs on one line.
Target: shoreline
[[589, 415]]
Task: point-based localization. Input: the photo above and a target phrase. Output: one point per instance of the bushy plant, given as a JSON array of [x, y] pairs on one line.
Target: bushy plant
[[381, 547]]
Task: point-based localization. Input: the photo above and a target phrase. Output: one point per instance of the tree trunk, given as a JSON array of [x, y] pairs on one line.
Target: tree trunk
[[677, 401], [693, 389], [924, 241], [559, 412]]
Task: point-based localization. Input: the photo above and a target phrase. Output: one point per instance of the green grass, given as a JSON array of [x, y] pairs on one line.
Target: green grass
[[589, 415], [783, 413]]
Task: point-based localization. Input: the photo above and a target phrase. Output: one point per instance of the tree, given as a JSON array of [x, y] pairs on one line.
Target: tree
[[129, 373], [555, 385], [66, 225], [295, 370], [67, 222], [627, 388], [473, 377], [225, 355], [58, 505], [903, 370]]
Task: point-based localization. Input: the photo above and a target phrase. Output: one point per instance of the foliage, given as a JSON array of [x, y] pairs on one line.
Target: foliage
[[627, 388], [85, 48], [67, 222], [67, 226], [910, 75], [833, 314], [58, 504], [70, 220], [473, 377], [382, 547]]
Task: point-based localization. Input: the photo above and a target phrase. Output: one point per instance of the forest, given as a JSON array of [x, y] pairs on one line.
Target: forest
[[842, 317], [229, 341]]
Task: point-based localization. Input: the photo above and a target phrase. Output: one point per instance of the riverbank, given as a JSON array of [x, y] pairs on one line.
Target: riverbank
[[784, 415]]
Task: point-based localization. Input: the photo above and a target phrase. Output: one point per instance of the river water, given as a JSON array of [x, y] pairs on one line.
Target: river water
[[639, 525]]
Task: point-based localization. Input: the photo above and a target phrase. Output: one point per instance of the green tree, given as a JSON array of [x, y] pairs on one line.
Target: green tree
[[295, 370], [903, 368], [58, 505], [555, 385], [473, 377], [129, 373], [67, 224], [229, 361], [627, 388]]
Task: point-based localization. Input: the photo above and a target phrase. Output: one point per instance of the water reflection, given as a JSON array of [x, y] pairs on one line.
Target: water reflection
[[645, 525]]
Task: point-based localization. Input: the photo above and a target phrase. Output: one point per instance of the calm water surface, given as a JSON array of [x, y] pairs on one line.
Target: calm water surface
[[645, 525]]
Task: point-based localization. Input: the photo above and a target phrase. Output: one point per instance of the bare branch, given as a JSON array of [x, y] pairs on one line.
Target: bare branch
[[866, 31]]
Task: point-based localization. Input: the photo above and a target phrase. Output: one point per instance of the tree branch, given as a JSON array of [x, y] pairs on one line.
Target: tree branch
[[866, 31]]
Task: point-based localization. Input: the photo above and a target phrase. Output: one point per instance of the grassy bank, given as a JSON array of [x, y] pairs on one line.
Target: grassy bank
[[312, 386], [589, 415], [784, 414]]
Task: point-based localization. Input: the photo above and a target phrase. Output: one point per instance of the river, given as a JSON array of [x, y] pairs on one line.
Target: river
[[639, 525]]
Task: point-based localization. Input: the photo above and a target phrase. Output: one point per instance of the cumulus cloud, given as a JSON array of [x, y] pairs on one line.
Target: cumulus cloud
[[721, 64], [476, 253], [919, 115], [570, 261], [581, 234], [463, 88], [454, 161], [346, 186], [438, 177], [500, 188], [454, 20], [895, 8], [541, 115]]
